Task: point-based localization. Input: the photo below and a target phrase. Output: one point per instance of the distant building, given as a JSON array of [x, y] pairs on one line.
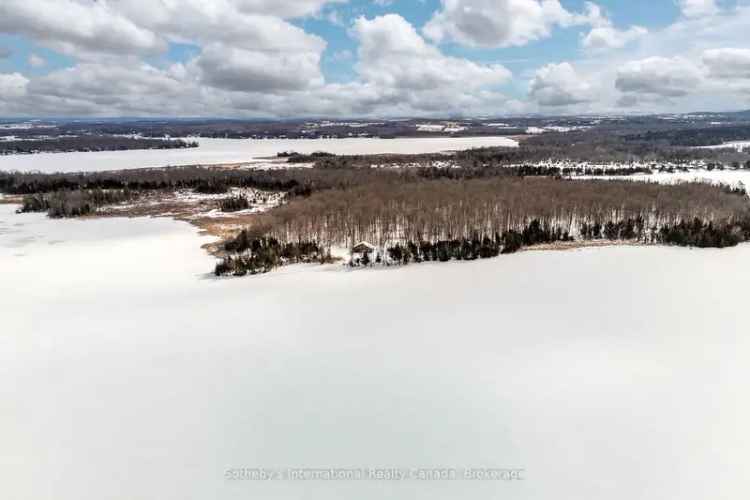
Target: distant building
[[362, 248], [363, 253]]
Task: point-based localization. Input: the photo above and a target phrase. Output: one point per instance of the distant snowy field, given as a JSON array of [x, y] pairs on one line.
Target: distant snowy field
[[728, 177], [740, 146], [213, 151], [126, 372]]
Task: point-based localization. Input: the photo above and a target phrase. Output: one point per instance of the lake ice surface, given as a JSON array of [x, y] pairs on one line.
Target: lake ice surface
[[127, 373], [735, 178], [214, 151]]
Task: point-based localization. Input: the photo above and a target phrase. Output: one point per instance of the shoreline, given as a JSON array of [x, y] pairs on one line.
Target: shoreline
[[563, 246], [207, 227], [217, 151], [230, 224]]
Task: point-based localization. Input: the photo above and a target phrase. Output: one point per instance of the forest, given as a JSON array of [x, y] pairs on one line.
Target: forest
[[694, 137], [294, 181], [78, 203], [441, 220], [89, 143]]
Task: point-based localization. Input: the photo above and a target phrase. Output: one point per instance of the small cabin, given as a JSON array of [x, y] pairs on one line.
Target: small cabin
[[362, 253], [363, 248]]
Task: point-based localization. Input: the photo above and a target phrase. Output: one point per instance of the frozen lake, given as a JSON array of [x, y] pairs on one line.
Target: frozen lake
[[127, 373], [739, 146], [214, 151], [729, 177]]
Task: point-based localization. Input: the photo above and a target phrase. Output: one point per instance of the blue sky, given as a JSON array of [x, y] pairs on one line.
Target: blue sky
[[271, 58]]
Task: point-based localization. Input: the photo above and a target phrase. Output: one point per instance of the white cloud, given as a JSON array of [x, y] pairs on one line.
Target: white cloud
[[393, 54], [698, 8], [609, 37], [250, 60], [729, 63], [500, 23], [107, 84], [659, 76], [559, 85], [231, 22], [239, 69], [604, 35], [241, 46], [73, 27], [398, 73], [12, 85], [284, 8]]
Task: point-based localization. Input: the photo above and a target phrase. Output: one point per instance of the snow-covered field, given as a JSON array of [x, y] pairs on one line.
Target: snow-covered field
[[728, 177], [740, 146], [214, 151], [128, 373]]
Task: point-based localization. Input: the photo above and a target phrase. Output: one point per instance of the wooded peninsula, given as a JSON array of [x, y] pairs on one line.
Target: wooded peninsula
[[479, 209]]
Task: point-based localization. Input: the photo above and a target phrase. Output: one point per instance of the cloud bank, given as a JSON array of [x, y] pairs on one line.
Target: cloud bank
[[253, 58]]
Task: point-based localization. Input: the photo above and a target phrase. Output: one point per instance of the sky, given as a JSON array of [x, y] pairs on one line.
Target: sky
[[378, 58]]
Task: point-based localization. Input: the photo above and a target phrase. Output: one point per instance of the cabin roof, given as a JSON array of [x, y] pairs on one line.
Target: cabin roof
[[362, 246]]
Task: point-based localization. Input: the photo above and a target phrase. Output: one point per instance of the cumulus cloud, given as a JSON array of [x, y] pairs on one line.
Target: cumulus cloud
[[12, 85], [394, 55], [285, 8], [659, 76], [398, 72], [728, 63], [604, 35], [698, 8], [252, 59], [106, 85], [227, 21], [239, 69], [609, 37], [242, 46], [500, 23], [75, 27], [559, 85]]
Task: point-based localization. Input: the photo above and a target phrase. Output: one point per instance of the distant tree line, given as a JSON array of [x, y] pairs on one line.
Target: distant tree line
[[695, 137], [578, 148], [615, 146], [77, 203], [331, 172], [293, 157], [293, 181], [89, 143], [208, 180]]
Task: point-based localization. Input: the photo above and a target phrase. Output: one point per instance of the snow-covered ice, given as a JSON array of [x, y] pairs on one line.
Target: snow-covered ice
[[739, 146], [215, 151], [126, 372], [734, 178]]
